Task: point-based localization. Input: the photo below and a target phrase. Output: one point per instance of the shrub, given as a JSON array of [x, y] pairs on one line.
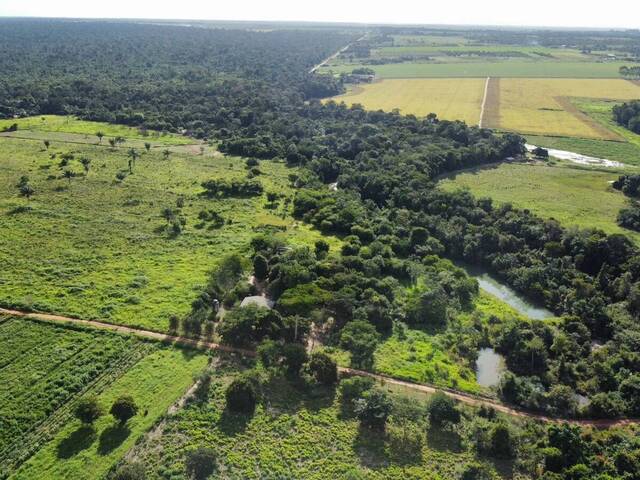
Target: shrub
[[241, 396], [88, 410], [606, 405], [476, 471], [501, 441], [442, 410], [260, 267], [405, 442], [323, 368], [373, 409], [124, 408], [294, 357], [354, 388], [200, 463], [361, 339], [130, 471]]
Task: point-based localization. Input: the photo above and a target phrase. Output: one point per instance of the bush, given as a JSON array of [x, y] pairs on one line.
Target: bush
[[476, 471], [260, 267], [130, 471], [294, 357], [269, 352], [323, 368], [200, 463], [373, 409], [442, 410], [361, 339], [501, 441], [355, 387], [405, 442], [241, 396], [606, 405], [88, 410], [124, 408]]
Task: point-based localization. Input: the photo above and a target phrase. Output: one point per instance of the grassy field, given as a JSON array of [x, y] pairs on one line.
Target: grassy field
[[483, 69], [573, 196], [624, 152], [533, 53], [80, 452], [540, 106], [454, 99], [293, 434], [102, 246], [42, 368], [601, 112], [61, 125]]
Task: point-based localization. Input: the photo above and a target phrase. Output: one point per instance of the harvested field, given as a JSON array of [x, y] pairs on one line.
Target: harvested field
[[542, 106], [458, 99]]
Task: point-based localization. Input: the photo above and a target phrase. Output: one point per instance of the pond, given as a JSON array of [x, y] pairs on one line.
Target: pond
[[507, 294], [489, 367]]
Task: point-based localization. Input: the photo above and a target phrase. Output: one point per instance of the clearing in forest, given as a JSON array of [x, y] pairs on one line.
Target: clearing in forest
[[573, 196], [451, 99], [131, 247]]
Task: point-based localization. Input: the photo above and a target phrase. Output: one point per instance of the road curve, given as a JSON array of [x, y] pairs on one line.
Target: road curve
[[383, 379]]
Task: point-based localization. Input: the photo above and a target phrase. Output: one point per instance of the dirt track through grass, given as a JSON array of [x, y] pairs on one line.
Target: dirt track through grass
[[382, 379]]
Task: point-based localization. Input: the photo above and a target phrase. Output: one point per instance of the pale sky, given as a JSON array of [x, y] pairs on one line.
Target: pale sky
[[569, 13]]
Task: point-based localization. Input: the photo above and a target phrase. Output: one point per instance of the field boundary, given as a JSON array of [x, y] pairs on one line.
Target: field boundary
[[569, 107], [484, 101], [491, 111], [460, 396]]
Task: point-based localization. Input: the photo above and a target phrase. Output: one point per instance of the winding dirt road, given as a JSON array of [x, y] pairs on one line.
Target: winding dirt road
[[382, 379]]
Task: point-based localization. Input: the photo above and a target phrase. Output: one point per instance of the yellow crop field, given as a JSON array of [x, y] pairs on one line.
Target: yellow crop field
[[450, 99], [543, 106]]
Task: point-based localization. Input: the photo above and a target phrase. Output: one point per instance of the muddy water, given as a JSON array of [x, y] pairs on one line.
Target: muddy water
[[489, 367]]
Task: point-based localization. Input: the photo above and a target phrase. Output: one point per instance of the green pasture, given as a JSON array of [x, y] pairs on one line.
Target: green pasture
[[294, 433], [42, 368], [511, 68], [57, 124], [94, 246], [80, 452], [574, 196]]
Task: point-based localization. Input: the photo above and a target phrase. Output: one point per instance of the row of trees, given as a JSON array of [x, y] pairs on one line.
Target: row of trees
[[628, 114]]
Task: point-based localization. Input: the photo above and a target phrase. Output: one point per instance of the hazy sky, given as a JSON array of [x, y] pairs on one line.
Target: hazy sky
[[571, 13]]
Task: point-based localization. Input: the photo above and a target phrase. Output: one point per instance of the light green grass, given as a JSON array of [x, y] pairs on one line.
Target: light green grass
[[535, 53], [602, 112], [69, 124], [292, 434], [421, 358], [573, 196], [97, 248], [513, 68], [81, 453], [43, 367]]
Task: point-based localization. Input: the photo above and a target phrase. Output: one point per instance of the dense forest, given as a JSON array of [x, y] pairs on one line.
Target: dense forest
[[251, 92]]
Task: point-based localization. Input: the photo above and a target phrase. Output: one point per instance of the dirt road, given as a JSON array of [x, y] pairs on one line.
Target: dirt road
[[383, 379]]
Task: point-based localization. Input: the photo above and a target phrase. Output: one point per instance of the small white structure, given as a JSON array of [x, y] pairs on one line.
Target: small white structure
[[257, 300]]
